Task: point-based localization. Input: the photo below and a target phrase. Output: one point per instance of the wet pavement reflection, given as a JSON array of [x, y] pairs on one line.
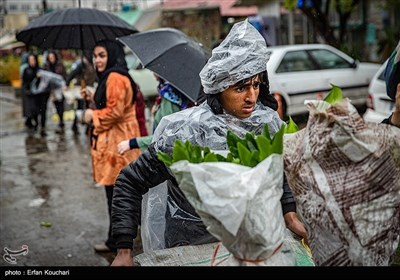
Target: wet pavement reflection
[[47, 197]]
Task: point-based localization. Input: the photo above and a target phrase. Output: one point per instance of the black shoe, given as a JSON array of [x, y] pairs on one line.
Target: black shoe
[[29, 125], [75, 129], [60, 130], [43, 132]]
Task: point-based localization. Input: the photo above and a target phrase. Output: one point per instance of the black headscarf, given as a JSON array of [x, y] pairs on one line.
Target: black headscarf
[[52, 66], [115, 63], [30, 72]]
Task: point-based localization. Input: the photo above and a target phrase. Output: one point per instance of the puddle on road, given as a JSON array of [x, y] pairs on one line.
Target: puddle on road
[[36, 145]]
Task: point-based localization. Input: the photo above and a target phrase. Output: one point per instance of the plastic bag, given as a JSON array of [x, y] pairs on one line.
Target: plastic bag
[[241, 207], [345, 176]]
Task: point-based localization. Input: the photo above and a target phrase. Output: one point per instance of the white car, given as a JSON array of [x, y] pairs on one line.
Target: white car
[[142, 76], [380, 106], [305, 72]]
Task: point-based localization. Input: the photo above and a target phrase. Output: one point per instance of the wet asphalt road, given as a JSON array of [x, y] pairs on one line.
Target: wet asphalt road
[[47, 197]]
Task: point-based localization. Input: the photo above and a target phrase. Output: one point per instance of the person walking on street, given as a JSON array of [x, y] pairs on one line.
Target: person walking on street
[[35, 103], [84, 73], [55, 65], [231, 80], [113, 117]]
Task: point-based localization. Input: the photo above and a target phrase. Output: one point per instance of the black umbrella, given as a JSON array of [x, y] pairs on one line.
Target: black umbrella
[[172, 55], [73, 28]]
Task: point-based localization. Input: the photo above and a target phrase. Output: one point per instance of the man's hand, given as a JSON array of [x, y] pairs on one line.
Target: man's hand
[[293, 223], [123, 258], [396, 114]]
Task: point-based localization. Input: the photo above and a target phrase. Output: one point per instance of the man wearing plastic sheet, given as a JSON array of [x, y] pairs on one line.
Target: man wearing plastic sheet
[[236, 83]]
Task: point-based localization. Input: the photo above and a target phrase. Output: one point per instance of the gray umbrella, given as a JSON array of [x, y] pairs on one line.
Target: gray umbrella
[[172, 55], [73, 28]]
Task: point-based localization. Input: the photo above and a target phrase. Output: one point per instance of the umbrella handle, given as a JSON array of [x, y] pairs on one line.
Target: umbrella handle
[[83, 83], [86, 102]]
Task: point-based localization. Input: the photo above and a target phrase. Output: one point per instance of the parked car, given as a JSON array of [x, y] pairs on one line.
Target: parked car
[[380, 106], [144, 77], [303, 72]]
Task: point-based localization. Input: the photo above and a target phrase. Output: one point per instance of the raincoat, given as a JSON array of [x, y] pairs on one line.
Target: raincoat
[[167, 218]]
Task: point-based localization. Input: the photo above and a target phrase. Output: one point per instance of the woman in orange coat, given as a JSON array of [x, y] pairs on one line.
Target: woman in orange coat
[[114, 119]]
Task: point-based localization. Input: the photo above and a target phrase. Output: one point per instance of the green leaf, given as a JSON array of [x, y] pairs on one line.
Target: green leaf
[[277, 141], [180, 152], [265, 132], [188, 147], [264, 146], [236, 160], [210, 157], [254, 158], [221, 158], [206, 151], [229, 157], [334, 95], [251, 142], [291, 126], [164, 157], [196, 156], [244, 154], [45, 224], [231, 140]]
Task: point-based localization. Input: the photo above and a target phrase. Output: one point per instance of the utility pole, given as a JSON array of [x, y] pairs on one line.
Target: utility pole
[[44, 5], [5, 7]]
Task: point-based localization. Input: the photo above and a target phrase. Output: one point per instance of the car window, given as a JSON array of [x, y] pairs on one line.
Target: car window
[[295, 61], [329, 60]]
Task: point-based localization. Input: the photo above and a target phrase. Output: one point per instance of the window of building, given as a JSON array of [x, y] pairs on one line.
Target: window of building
[[25, 7]]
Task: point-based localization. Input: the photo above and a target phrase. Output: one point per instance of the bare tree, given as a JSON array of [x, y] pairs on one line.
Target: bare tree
[[318, 11]]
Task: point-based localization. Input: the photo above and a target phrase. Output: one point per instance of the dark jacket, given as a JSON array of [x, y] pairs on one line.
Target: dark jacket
[[147, 172]]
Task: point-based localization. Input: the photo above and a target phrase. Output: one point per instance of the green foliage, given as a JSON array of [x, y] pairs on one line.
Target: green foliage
[[344, 5], [248, 151], [9, 68], [334, 95], [352, 49], [291, 126], [290, 4]]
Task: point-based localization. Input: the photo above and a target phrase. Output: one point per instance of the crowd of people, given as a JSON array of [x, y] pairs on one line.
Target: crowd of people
[[235, 82]]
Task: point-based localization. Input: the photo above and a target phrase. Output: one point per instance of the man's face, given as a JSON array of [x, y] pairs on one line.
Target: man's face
[[239, 100]]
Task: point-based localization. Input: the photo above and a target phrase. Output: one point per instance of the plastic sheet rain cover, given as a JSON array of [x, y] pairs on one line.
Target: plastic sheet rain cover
[[241, 207], [345, 175]]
